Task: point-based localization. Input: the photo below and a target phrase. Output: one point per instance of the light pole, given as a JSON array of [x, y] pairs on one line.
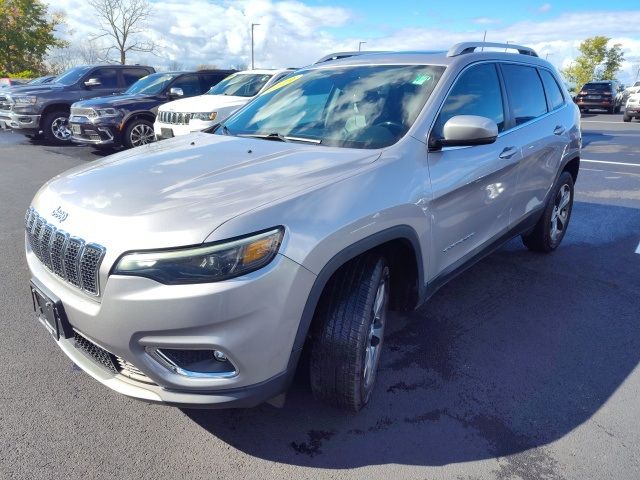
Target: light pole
[[252, 62], [360, 46]]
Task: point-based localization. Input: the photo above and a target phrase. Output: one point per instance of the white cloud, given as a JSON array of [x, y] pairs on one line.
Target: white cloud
[[485, 20], [292, 33], [544, 8]]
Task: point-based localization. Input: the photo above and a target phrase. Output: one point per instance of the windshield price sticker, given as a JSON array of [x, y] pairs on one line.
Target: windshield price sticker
[[281, 84], [420, 79]]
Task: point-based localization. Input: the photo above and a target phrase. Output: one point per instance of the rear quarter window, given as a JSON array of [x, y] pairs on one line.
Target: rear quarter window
[[554, 94], [525, 92]]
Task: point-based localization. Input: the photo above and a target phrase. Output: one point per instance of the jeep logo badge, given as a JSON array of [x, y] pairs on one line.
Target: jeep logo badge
[[60, 214]]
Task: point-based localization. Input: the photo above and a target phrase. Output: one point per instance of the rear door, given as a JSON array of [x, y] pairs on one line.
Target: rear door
[[472, 186], [132, 75], [542, 123]]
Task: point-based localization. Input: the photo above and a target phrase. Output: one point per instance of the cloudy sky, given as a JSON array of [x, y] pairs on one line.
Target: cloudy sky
[[297, 32]]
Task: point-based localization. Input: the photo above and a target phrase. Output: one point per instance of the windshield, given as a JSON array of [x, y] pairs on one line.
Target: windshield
[[152, 84], [241, 84], [358, 106], [72, 75]]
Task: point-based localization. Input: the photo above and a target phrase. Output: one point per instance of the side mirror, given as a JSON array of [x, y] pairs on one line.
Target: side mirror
[[466, 131], [92, 82], [176, 92]]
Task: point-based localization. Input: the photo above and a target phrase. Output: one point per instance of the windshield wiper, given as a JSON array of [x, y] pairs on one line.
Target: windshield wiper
[[282, 138], [266, 136]]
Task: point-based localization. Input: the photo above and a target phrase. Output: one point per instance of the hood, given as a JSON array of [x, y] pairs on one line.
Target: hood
[[114, 101], [32, 89], [204, 103], [176, 192]]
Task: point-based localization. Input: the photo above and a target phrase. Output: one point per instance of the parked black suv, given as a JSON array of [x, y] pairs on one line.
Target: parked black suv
[[127, 119], [33, 108], [599, 95]]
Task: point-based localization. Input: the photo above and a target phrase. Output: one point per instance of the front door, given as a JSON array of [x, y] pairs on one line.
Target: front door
[[472, 187]]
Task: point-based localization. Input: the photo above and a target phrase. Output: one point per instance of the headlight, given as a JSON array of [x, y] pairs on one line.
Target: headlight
[[205, 263], [205, 116], [106, 112], [25, 100]]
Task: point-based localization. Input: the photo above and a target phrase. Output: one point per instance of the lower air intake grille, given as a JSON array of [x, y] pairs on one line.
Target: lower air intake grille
[[112, 363], [99, 354]]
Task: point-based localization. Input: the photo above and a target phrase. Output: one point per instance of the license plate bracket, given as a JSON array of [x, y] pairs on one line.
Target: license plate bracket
[[50, 313]]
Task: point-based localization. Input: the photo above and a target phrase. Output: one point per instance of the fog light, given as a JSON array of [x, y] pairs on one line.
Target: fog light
[[195, 363]]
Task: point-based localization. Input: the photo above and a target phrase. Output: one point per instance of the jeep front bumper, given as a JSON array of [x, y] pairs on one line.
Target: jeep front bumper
[[253, 319]]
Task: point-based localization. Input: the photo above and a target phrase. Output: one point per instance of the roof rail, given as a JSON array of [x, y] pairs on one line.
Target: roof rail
[[470, 47]]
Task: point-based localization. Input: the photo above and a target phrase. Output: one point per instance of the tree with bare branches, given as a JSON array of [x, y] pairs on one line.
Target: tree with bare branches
[[123, 22]]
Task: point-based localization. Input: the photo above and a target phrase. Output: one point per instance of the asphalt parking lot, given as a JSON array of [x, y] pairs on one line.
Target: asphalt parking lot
[[524, 367]]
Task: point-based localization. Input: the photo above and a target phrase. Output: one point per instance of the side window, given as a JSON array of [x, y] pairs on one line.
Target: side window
[[190, 85], [526, 95], [132, 75], [108, 77], [554, 94], [476, 92]]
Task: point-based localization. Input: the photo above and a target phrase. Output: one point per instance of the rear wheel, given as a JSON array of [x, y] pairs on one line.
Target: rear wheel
[[552, 226], [626, 118], [348, 333], [55, 128], [138, 132]]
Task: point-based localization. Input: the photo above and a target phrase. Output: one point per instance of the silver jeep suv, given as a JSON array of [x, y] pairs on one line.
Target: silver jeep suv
[[194, 271]]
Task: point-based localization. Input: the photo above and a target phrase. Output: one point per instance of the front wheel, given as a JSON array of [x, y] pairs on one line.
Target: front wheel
[[138, 132], [348, 333], [552, 226], [55, 128], [626, 118]]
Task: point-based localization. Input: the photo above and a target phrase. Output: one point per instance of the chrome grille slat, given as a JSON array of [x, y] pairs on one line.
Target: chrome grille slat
[[175, 118], [71, 261], [70, 258]]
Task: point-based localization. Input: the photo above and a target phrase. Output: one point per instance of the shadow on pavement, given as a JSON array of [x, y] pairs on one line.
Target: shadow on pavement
[[513, 354]]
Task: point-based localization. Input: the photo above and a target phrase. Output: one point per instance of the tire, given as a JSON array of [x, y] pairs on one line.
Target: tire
[[611, 110], [138, 132], [55, 128], [548, 233], [626, 118], [348, 333]]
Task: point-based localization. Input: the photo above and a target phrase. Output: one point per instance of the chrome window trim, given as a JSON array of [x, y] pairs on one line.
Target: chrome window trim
[[495, 62]]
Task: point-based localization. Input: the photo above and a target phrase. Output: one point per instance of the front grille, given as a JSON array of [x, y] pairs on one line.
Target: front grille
[[5, 103], [107, 360], [174, 118], [83, 112], [70, 258]]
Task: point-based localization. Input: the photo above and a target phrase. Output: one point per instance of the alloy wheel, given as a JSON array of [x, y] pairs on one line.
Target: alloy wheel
[[141, 134], [376, 332], [60, 128], [560, 214]]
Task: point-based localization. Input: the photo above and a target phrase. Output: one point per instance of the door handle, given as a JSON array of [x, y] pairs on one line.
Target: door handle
[[559, 130], [508, 153]]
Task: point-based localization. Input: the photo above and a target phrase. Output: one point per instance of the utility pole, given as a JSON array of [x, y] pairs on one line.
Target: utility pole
[[360, 46], [252, 62]]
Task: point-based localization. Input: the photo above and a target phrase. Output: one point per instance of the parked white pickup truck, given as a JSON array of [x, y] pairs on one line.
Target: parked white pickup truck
[[198, 113]]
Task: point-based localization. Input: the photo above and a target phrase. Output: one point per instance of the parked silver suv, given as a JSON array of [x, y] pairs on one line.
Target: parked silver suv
[[194, 271]]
